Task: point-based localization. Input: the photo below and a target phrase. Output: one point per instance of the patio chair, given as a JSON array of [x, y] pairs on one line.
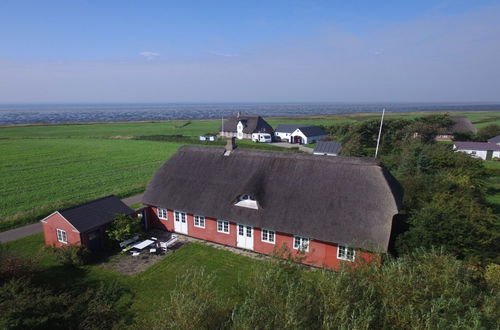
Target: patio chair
[[163, 246], [135, 254], [152, 250]]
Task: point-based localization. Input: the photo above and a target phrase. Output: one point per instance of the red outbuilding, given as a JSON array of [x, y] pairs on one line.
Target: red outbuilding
[[83, 224], [331, 209]]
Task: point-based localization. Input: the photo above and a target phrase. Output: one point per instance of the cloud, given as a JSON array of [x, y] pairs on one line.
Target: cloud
[[149, 55]]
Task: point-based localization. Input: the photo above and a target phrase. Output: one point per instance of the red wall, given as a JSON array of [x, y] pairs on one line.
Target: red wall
[[320, 254], [56, 221]]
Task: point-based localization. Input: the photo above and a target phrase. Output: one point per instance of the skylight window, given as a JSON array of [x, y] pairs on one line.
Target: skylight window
[[247, 201]]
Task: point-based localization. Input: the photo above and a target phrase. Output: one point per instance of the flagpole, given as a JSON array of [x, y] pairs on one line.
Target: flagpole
[[380, 132]]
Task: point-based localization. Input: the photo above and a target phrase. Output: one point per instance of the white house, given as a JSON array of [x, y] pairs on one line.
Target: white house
[[299, 134], [483, 150], [243, 126]]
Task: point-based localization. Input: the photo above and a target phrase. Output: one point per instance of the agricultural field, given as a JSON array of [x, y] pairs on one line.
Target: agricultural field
[[147, 289], [45, 168], [43, 175]]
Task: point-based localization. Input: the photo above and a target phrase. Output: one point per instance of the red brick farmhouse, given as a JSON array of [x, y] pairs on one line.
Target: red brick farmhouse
[[84, 224], [336, 209]]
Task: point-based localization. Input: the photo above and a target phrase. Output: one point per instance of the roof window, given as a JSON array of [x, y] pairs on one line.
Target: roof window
[[247, 201]]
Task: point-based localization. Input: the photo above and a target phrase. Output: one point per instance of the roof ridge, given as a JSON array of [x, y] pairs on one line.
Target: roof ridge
[[365, 161]]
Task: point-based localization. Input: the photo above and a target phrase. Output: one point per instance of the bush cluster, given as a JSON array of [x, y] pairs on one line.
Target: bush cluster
[[72, 255], [420, 290]]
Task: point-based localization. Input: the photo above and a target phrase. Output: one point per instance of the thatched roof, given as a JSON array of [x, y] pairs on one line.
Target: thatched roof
[[95, 213], [332, 199], [461, 124], [252, 124]]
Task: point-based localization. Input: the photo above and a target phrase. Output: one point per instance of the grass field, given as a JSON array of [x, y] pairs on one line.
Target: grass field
[[45, 168], [42, 175], [233, 273]]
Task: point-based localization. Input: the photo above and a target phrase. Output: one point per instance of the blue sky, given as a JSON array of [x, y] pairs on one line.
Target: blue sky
[[258, 51]]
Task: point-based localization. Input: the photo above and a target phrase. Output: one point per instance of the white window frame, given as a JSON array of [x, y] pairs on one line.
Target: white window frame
[[344, 255], [223, 224], [61, 236], [200, 219], [266, 234], [162, 213], [302, 241]]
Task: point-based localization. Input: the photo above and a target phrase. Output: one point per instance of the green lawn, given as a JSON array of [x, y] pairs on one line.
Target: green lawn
[[146, 289]]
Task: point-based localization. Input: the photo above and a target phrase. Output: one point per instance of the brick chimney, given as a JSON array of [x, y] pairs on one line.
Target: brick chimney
[[230, 146]]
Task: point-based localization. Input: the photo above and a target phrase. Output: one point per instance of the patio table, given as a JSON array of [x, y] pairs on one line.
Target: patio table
[[143, 244]]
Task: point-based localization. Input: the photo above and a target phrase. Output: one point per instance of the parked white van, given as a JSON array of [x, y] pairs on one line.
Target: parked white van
[[261, 137]]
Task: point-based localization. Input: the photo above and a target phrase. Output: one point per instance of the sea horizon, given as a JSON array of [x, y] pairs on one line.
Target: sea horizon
[[65, 113]]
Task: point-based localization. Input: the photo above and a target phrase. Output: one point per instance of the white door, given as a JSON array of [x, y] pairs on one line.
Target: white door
[[244, 237], [180, 222]]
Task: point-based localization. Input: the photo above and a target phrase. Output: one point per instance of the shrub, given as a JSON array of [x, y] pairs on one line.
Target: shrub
[[124, 227], [193, 304], [72, 255], [13, 266]]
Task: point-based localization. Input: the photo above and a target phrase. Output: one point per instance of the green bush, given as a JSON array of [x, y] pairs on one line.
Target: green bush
[[72, 255], [14, 266], [124, 227], [193, 304]]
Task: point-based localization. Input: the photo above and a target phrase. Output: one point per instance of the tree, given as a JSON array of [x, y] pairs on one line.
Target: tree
[[459, 224], [124, 227], [487, 132]]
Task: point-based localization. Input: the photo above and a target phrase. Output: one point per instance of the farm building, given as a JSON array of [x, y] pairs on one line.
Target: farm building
[[483, 150], [495, 140], [299, 134], [83, 224], [243, 126], [461, 124], [327, 148], [334, 209]]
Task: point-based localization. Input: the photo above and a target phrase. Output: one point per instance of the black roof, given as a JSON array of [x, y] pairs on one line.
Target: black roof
[[332, 199], [495, 139], [312, 131], [286, 128], [96, 213], [252, 124], [306, 130], [327, 147]]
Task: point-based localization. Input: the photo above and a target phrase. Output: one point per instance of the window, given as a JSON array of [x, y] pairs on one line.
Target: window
[[223, 226], [268, 236], [61, 236], [345, 253], [247, 201], [199, 221], [301, 243], [180, 216], [162, 213]]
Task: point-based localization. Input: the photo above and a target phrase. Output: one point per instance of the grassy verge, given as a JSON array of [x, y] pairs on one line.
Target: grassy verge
[[147, 289]]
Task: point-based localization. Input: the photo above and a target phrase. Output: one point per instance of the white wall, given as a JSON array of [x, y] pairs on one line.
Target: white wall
[[479, 153], [284, 136], [305, 139]]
